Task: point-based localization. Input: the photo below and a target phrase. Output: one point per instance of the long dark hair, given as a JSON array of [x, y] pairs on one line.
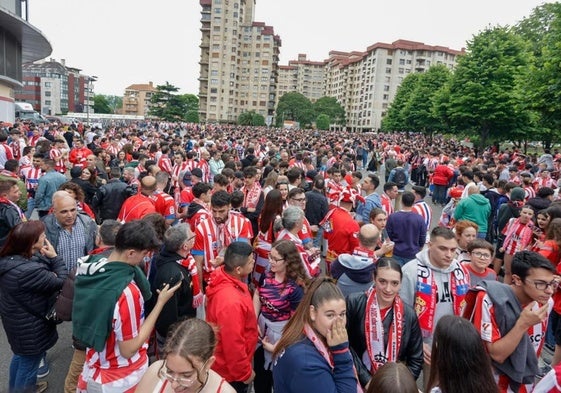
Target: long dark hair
[[460, 363], [21, 239], [321, 290], [271, 209], [294, 268]]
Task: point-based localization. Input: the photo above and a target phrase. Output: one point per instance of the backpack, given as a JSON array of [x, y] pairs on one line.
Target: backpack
[[400, 178]]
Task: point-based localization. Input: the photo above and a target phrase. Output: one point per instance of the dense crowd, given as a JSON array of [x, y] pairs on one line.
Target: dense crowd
[[213, 258]]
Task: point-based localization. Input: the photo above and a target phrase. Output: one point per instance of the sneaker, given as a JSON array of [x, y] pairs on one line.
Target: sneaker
[[543, 371], [43, 370], [41, 387]]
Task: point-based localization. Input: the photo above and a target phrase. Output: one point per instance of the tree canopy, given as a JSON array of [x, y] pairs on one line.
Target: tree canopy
[[251, 118], [170, 106], [331, 108], [295, 106]]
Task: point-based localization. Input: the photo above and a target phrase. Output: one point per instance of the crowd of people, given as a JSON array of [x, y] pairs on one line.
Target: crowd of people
[[214, 258]]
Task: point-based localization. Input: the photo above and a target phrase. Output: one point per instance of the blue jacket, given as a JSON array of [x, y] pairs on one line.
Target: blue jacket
[[48, 185], [409, 232], [301, 368]]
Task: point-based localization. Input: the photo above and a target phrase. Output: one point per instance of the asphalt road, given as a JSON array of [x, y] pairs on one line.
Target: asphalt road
[[59, 356]]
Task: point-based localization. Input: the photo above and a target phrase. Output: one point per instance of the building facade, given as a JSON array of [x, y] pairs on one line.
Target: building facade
[[53, 88], [238, 64], [136, 100], [303, 76], [20, 42], [365, 83]]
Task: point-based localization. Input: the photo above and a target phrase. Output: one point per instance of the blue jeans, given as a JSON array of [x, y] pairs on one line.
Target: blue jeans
[[439, 194], [30, 208], [23, 373], [402, 260]]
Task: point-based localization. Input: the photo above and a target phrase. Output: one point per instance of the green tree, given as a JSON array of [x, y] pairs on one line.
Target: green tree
[[542, 33], [170, 106], [418, 113], [115, 102], [323, 121], [484, 94], [394, 119], [251, 118], [295, 106], [101, 104], [330, 107]]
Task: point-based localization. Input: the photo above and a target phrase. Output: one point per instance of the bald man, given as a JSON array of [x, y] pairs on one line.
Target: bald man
[[72, 234], [354, 271], [141, 204]]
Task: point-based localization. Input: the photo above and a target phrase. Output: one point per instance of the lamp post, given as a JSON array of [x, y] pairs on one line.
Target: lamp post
[[91, 79]]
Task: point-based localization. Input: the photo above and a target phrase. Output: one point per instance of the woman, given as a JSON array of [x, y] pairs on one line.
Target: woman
[[379, 218], [459, 361], [31, 273], [371, 315], [278, 294], [550, 248], [313, 353], [91, 184], [187, 362], [393, 378], [77, 193], [120, 161], [293, 222], [270, 181], [466, 232], [272, 210], [282, 186]]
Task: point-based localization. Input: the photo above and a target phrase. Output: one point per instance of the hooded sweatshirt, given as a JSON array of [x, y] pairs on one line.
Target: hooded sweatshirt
[[353, 273], [442, 277], [475, 208], [230, 307]]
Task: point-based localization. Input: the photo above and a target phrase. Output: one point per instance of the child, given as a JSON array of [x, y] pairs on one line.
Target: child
[[481, 255], [518, 235]]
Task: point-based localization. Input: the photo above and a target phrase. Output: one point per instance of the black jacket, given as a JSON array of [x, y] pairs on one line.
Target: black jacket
[[33, 283], [109, 198], [9, 218], [410, 351], [316, 207], [180, 305]]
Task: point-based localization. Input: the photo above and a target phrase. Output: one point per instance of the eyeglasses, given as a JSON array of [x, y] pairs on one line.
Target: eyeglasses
[[276, 260], [481, 255], [542, 285], [181, 381], [299, 199]]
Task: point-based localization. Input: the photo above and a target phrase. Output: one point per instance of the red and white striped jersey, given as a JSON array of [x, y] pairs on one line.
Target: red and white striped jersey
[[56, 155], [164, 163], [211, 238], [424, 210], [32, 176], [387, 204]]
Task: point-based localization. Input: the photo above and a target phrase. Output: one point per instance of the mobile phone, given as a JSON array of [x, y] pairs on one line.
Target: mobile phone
[[173, 280]]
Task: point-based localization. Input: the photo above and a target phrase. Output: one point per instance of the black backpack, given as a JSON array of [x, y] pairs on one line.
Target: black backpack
[[400, 178]]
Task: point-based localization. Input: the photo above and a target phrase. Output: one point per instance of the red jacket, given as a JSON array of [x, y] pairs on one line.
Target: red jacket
[[343, 236], [442, 175], [230, 307], [78, 156]]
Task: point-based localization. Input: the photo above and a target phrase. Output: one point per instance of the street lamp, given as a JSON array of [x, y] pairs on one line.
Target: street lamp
[[91, 79]]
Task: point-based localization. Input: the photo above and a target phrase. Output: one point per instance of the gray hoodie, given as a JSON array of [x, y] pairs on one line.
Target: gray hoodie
[[420, 265]]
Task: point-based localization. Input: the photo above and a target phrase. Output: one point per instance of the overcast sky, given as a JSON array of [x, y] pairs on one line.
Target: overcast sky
[[133, 41]]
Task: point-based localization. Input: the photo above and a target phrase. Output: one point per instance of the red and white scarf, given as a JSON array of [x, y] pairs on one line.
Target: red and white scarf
[[426, 293], [324, 351], [251, 196], [374, 329], [20, 212]]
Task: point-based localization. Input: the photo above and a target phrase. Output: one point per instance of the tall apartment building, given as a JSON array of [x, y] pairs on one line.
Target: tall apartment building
[[365, 83], [53, 88], [136, 100], [303, 76], [239, 62], [20, 42]]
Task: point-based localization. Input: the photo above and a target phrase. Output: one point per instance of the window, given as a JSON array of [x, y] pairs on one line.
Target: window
[[386, 97], [48, 84], [388, 70], [47, 102], [386, 88], [401, 61], [47, 94], [389, 61]]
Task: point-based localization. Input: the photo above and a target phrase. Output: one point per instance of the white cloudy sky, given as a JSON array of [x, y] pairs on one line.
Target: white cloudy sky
[[135, 41]]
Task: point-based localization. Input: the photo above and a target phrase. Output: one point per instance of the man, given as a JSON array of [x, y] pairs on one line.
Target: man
[[116, 334], [163, 202], [214, 235], [141, 204], [340, 229], [95, 165], [468, 180], [231, 309], [435, 284], [371, 198], [400, 176], [198, 209], [32, 175], [59, 154], [253, 197], [109, 198], [71, 234], [407, 230], [317, 207], [6, 152], [389, 195], [174, 262], [216, 164], [10, 213], [512, 319], [353, 271], [475, 208], [10, 171], [421, 207], [48, 184], [79, 153]]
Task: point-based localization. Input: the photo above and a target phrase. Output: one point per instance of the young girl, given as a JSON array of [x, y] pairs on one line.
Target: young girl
[[313, 353], [518, 235], [466, 232]]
